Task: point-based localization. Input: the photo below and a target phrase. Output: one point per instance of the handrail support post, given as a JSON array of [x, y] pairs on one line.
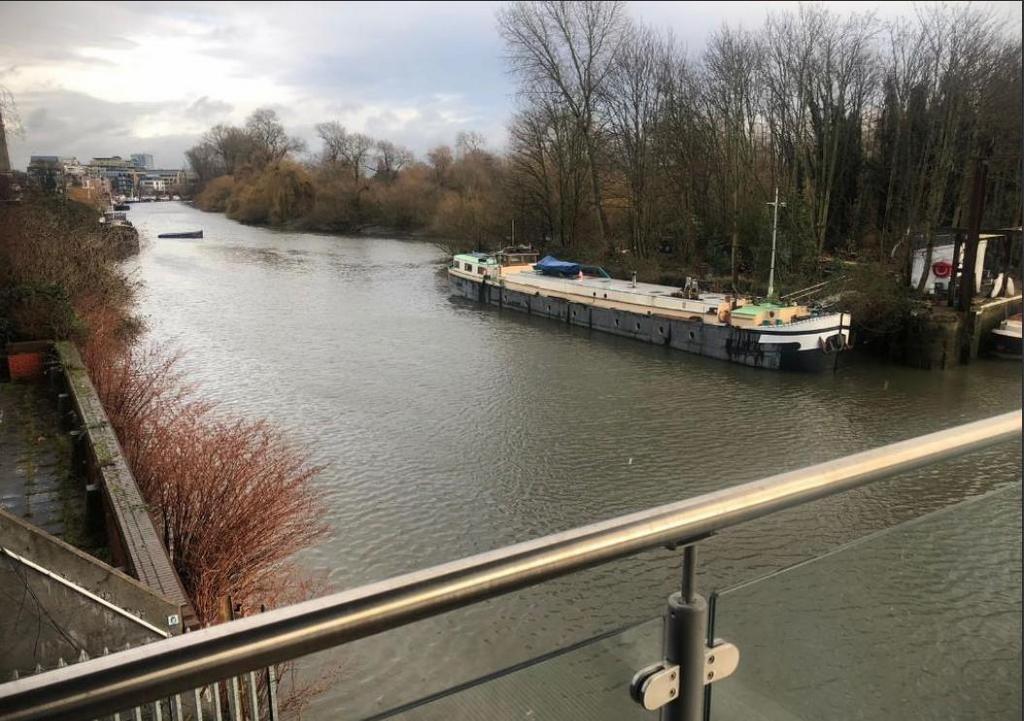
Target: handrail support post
[[686, 622]]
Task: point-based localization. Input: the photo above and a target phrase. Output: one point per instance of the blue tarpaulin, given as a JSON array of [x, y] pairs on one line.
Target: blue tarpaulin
[[549, 265]]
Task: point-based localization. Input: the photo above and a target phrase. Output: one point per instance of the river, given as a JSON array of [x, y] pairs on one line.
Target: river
[[449, 429]]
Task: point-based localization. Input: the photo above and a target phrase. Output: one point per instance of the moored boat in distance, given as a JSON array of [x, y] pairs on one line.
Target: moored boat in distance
[[1006, 339], [188, 234], [759, 334]]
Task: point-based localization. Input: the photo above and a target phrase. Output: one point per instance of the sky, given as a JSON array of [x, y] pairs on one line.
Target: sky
[[96, 79]]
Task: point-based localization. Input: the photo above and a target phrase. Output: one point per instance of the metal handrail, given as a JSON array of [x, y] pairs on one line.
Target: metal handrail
[[162, 668]]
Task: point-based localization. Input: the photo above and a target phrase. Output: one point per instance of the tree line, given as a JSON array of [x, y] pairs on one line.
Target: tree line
[[254, 173], [626, 145]]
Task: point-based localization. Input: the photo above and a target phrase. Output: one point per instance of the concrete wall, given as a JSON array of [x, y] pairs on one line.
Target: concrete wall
[[134, 542], [108, 583], [45, 620]]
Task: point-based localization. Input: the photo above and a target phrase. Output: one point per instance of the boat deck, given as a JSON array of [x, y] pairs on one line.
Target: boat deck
[[621, 295], [591, 283]]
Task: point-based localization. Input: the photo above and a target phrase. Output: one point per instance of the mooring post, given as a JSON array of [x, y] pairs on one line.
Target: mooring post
[[686, 623]]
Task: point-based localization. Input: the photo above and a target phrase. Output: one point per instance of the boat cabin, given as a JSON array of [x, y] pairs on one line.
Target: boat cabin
[[491, 265], [476, 264], [517, 256]]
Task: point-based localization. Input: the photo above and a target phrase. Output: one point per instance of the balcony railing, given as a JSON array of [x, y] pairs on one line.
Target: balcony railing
[[677, 684]]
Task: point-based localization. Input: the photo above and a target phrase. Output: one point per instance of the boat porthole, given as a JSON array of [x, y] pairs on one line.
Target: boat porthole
[[661, 329], [692, 336], [616, 322], [605, 295], [595, 295], [574, 314], [638, 326]]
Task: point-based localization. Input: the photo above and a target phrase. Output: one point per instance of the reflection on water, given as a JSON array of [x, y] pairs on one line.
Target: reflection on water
[[451, 429]]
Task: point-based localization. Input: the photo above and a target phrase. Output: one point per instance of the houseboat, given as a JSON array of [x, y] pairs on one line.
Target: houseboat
[[759, 334]]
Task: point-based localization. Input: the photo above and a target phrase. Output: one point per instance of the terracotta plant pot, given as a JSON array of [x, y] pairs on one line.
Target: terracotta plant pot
[[25, 366]]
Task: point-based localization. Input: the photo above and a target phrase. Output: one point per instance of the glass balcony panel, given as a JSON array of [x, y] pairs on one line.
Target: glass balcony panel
[[587, 681], [922, 621]]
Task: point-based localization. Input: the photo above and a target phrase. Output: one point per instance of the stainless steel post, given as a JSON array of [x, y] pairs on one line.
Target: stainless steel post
[[686, 622]]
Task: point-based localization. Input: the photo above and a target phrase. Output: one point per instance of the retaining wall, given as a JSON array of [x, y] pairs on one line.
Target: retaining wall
[[132, 537]]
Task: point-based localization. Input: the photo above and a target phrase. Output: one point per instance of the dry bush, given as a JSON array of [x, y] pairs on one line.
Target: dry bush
[[235, 501], [233, 498], [55, 261], [407, 203], [280, 192], [216, 194], [338, 205]]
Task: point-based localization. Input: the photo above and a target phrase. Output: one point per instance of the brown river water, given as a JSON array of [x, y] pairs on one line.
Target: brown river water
[[450, 429]]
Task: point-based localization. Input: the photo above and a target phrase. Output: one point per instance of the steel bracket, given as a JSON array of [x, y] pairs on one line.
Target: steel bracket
[[720, 661], [658, 684]]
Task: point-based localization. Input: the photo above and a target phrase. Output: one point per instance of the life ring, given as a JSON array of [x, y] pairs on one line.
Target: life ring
[[942, 268]]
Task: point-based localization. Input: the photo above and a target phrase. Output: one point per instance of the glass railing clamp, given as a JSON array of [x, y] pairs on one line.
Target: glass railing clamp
[[658, 684], [655, 686]]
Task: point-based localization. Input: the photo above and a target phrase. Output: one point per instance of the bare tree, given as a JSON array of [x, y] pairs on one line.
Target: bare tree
[[818, 70], [232, 144], [391, 159], [270, 141], [565, 50], [730, 98], [334, 136], [548, 159], [440, 159], [205, 161], [350, 150], [468, 141], [681, 150], [635, 99]]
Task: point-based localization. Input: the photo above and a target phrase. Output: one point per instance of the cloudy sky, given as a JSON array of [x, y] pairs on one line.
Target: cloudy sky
[[95, 79]]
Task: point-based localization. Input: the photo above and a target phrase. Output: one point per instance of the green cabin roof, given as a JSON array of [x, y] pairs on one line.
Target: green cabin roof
[[752, 310], [478, 258]]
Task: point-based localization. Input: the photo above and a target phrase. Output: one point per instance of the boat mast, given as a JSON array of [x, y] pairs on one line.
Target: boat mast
[[775, 227]]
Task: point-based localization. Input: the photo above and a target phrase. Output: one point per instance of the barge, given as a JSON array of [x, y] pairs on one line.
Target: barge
[[762, 335]]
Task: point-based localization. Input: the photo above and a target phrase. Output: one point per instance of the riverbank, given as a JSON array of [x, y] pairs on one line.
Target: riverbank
[[204, 473]]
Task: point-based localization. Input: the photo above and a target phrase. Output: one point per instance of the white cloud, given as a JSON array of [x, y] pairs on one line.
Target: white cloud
[[116, 78]]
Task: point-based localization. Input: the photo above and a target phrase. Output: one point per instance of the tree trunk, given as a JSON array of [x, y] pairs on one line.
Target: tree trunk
[[595, 187], [735, 239], [923, 280], [958, 241], [975, 212]]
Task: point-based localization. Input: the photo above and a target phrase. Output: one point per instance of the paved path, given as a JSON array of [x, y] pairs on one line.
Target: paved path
[[35, 456]]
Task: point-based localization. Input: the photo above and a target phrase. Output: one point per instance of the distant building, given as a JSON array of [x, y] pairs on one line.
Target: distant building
[[143, 161], [49, 172], [114, 162], [170, 177], [151, 185], [122, 174]]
